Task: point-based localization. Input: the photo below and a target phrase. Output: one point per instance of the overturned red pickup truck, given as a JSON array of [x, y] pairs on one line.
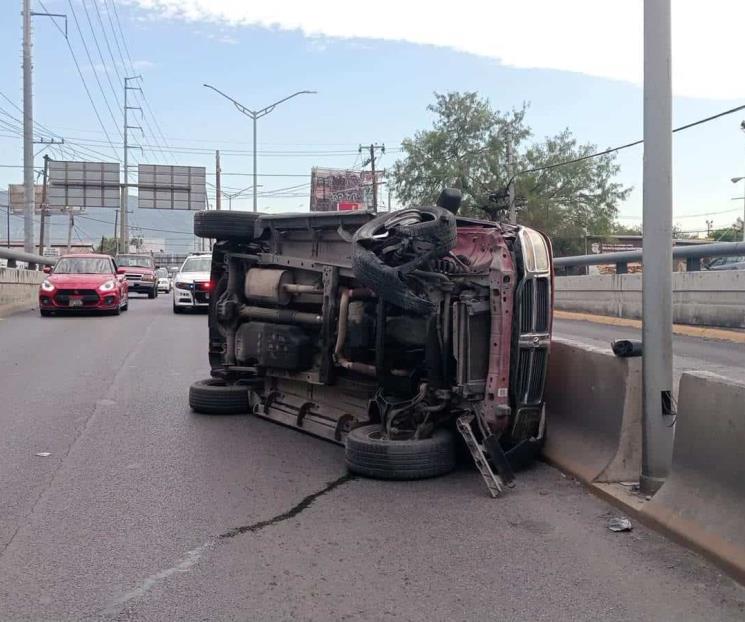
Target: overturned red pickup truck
[[384, 333]]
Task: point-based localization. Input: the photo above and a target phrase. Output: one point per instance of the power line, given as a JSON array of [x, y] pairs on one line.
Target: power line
[[100, 54], [82, 79], [632, 144], [93, 67], [141, 96]]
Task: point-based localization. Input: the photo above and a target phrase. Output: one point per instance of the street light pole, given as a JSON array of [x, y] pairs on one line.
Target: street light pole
[[29, 198], [734, 181], [255, 115], [657, 373]]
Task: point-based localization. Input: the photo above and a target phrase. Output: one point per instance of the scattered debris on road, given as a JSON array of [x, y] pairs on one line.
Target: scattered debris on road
[[44, 454], [619, 524]]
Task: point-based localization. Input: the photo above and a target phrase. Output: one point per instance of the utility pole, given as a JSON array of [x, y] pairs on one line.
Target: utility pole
[[657, 365], [70, 225], [511, 179], [116, 229], [255, 115], [28, 137], [389, 196], [218, 170], [124, 219], [372, 148], [43, 206]]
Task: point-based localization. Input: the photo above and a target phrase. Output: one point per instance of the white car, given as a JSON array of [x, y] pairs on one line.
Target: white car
[[191, 285], [164, 280]]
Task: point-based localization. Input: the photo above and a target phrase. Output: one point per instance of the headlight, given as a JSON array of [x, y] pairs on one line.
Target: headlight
[[182, 285], [47, 286], [148, 277], [108, 286]]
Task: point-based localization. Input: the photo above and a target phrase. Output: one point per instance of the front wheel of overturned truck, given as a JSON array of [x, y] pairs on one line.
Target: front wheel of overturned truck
[[214, 396], [368, 453]]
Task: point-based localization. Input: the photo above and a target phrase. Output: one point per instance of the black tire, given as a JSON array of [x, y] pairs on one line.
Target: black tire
[[45, 313], [214, 397], [223, 225], [125, 307], [177, 309], [152, 295], [429, 224], [369, 455], [432, 228]]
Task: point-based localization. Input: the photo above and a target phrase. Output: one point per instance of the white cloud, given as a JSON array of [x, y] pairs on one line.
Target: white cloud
[[595, 37]]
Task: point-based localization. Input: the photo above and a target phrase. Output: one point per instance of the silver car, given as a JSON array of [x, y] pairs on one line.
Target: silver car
[[191, 285], [727, 263]]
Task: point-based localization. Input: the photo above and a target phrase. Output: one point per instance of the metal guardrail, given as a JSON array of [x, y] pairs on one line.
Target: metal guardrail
[[13, 255], [692, 255]]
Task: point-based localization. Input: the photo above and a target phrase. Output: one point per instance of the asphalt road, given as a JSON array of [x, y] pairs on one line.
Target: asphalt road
[[726, 358], [145, 511]]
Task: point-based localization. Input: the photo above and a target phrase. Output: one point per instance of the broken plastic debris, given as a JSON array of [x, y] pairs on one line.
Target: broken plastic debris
[[619, 524], [44, 454]]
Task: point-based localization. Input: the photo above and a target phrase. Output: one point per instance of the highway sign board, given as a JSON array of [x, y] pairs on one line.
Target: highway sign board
[[83, 184], [16, 197], [171, 187]]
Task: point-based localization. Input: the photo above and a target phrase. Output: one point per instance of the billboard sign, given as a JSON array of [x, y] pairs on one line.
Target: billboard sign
[[171, 187], [350, 206], [329, 188], [83, 184], [16, 197]]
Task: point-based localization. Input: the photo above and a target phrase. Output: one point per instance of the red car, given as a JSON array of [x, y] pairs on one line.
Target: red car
[[84, 282]]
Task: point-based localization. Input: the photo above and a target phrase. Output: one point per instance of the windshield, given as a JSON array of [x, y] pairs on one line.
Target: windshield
[[162, 273], [197, 264], [83, 265], [135, 260]]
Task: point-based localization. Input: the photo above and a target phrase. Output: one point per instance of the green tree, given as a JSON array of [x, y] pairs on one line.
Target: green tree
[[107, 246], [728, 234], [466, 149]]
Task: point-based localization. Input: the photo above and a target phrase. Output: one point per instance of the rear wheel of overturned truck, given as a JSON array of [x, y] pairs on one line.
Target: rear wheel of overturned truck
[[213, 396], [370, 454]]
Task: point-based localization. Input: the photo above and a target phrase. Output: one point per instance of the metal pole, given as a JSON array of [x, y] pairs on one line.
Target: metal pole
[[218, 192], [69, 230], [389, 196], [657, 412], [124, 230], [255, 182], [743, 211], [43, 207], [374, 181], [28, 138], [511, 180]]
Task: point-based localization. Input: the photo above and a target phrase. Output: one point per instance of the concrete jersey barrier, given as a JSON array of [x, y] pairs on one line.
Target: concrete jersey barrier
[[593, 413], [19, 289], [702, 503], [699, 298]]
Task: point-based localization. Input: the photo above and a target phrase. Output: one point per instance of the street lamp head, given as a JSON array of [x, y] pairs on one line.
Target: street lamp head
[[742, 125], [734, 180]]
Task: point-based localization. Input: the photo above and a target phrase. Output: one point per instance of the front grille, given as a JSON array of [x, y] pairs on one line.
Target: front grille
[[542, 305], [530, 375], [88, 296], [535, 305], [526, 306], [133, 277]]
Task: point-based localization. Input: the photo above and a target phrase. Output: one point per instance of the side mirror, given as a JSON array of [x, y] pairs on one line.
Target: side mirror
[[47, 269], [121, 270]]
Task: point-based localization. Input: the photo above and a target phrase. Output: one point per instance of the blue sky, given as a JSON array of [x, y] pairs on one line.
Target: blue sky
[[371, 87]]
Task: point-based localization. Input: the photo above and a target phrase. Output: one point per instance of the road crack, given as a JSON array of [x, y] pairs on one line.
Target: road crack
[[304, 504], [192, 557]]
